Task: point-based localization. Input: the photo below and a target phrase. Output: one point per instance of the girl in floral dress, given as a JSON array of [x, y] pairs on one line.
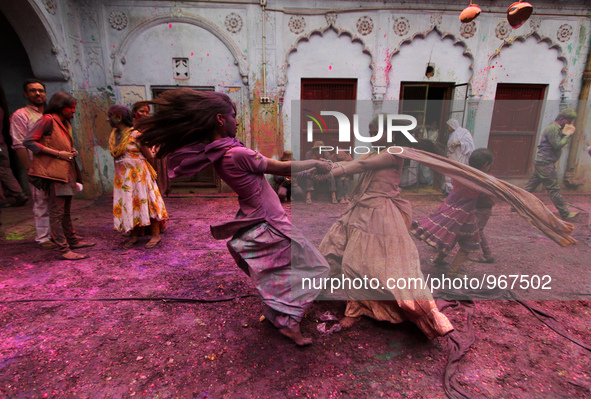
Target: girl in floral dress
[[136, 199]]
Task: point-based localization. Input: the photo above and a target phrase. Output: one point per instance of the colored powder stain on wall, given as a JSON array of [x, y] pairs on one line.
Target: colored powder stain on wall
[[330, 67], [570, 47], [170, 25], [207, 54], [484, 38], [191, 54]]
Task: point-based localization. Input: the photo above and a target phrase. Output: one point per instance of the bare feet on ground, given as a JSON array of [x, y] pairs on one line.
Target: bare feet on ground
[[296, 335], [347, 321]]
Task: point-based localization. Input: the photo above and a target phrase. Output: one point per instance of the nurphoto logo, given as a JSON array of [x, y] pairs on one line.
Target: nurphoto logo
[[392, 125]]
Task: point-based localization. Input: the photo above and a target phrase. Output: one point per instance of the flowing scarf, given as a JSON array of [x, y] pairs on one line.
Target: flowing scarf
[[528, 206], [119, 147], [189, 160]]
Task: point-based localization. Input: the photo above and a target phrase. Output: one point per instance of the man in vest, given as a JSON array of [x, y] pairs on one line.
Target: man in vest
[[20, 124]]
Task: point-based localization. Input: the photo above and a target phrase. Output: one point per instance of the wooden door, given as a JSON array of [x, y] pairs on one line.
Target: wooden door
[[515, 122], [328, 95]]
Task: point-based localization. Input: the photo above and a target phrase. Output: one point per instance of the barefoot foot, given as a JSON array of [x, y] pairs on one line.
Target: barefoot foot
[[296, 336], [347, 322]]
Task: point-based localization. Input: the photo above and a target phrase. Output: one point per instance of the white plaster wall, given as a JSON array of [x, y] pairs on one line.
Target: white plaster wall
[[324, 55], [149, 58]]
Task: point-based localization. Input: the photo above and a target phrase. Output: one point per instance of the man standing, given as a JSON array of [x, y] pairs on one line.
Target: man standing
[[555, 137], [21, 123]]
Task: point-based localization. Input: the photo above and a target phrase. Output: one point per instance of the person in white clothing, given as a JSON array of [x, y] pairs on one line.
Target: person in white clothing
[[21, 122], [460, 145]]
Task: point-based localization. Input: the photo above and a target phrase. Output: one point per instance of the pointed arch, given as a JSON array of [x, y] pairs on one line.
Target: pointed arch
[[442, 35], [282, 80], [118, 55], [540, 39]]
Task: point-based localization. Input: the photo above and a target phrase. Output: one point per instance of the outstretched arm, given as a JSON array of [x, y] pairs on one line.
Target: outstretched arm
[[381, 161], [286, 168]]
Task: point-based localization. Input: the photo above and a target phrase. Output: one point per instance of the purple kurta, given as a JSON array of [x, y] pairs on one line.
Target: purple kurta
[[264, 244]]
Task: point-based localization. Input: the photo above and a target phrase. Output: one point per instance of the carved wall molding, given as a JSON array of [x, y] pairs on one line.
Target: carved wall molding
[[50, 6], [118, 20], [118, 55], [365, 25], [297, 24], [233, 23], [503, 30], [468, 30]]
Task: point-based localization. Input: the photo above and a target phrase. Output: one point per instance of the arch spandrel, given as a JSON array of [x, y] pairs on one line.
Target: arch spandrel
[[118, 55], [540, 39]]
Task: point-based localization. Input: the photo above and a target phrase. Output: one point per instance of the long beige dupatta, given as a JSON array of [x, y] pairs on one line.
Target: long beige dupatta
[[528, 206]]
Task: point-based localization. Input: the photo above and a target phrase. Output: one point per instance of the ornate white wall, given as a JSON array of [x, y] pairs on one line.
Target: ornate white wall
[[112, 51]]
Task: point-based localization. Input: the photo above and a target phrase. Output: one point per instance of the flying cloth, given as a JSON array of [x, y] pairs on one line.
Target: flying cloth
[[528, 206]]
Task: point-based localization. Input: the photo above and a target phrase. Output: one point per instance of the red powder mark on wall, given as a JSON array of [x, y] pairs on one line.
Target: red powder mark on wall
[[170, 25], [208, 54], [330, 67], [172, 44], [191, 54]]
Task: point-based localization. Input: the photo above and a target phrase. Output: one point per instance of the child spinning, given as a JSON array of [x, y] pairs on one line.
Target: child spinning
[[263, 241], [455, 220]]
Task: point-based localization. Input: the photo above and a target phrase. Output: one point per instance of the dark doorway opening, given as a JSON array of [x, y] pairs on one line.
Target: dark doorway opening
[[432, 104]]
